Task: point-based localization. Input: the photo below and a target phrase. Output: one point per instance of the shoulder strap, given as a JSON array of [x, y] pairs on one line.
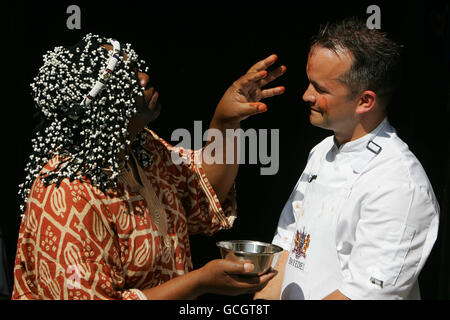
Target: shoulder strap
[[372, 149]]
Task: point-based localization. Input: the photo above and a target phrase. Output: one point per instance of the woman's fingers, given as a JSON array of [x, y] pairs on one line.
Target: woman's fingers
[[234, 267], [272, 75], [259, 73], [263, 64], [250, 78], [267, 93], [234, 277], [268, 276], [254, 283], [263, 76]]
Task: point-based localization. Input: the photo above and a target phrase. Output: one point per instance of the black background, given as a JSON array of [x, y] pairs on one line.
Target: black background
[[196, 49]]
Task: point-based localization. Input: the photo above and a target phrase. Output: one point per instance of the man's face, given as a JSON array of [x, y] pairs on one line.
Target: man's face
[[330, 100]]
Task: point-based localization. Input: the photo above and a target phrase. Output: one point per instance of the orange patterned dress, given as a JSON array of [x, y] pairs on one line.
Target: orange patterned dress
[[77, 242]]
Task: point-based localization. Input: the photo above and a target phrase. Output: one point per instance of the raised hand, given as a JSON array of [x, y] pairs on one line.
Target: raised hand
[[242, 99]]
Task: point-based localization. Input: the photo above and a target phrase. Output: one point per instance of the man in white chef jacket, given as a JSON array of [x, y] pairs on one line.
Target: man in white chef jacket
[[363, 218]]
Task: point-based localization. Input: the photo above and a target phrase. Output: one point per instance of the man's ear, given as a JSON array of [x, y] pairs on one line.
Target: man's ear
[[366, 102]]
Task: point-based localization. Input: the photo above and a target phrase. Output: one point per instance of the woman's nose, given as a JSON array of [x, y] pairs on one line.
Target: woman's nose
[[144, 80]]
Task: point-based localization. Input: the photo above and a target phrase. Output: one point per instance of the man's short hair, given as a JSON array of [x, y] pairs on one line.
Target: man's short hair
[[376, 58]]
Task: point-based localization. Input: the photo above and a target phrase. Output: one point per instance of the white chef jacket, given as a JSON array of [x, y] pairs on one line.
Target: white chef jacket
[[384, 231]]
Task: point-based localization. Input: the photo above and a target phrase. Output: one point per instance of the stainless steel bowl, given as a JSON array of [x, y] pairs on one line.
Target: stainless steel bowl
[[261, 254]]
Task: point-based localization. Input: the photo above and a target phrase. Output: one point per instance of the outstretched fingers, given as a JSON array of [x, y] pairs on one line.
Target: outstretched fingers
[[264, 64], [258, 73], [251, 77], [272, 75], [267, 93]]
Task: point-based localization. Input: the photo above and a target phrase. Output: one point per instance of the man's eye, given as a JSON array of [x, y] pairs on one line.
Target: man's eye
[[322, 91], [319, 90]]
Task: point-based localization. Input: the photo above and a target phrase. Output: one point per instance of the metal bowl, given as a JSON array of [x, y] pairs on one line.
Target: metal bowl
[[261, 254]]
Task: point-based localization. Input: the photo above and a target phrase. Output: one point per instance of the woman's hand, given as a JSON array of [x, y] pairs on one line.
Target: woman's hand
[[230, 278], [241, 100]]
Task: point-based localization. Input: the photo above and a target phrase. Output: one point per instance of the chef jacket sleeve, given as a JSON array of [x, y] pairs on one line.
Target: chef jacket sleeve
[[396, 231]]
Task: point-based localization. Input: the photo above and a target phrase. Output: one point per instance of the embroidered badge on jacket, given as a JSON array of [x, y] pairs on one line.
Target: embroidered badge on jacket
[[301, 244]]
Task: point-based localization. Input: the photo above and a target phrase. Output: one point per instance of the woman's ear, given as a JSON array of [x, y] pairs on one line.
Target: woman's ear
[[367, 101]]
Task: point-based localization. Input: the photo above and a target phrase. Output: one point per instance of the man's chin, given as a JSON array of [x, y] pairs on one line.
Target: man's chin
[[318, 123], [313, 119]]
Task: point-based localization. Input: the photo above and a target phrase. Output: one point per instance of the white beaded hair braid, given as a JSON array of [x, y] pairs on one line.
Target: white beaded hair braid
[[85, 95]]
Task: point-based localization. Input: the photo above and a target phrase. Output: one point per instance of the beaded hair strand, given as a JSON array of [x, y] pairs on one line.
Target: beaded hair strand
[[85, 96]]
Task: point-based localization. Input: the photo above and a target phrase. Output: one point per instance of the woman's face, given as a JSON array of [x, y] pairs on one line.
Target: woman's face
[[148, 106]]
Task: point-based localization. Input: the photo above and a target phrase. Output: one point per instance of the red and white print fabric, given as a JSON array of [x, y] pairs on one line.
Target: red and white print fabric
[[77, 242]]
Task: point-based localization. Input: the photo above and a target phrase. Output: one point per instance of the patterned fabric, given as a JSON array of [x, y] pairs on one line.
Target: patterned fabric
[[76, 242]]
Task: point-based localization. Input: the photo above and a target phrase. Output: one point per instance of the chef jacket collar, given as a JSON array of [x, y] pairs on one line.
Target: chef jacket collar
[[358, 144]]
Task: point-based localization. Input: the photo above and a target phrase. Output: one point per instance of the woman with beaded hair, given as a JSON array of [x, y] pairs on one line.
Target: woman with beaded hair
[[107, 212]]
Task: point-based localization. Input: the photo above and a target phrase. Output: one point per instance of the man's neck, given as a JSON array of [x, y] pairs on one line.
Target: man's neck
[[360, 129]]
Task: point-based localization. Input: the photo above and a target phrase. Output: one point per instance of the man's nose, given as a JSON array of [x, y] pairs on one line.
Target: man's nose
[[144, 80], [308, 96]]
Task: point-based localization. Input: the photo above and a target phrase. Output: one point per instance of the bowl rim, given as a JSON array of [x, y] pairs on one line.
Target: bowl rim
[[280, 249]]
